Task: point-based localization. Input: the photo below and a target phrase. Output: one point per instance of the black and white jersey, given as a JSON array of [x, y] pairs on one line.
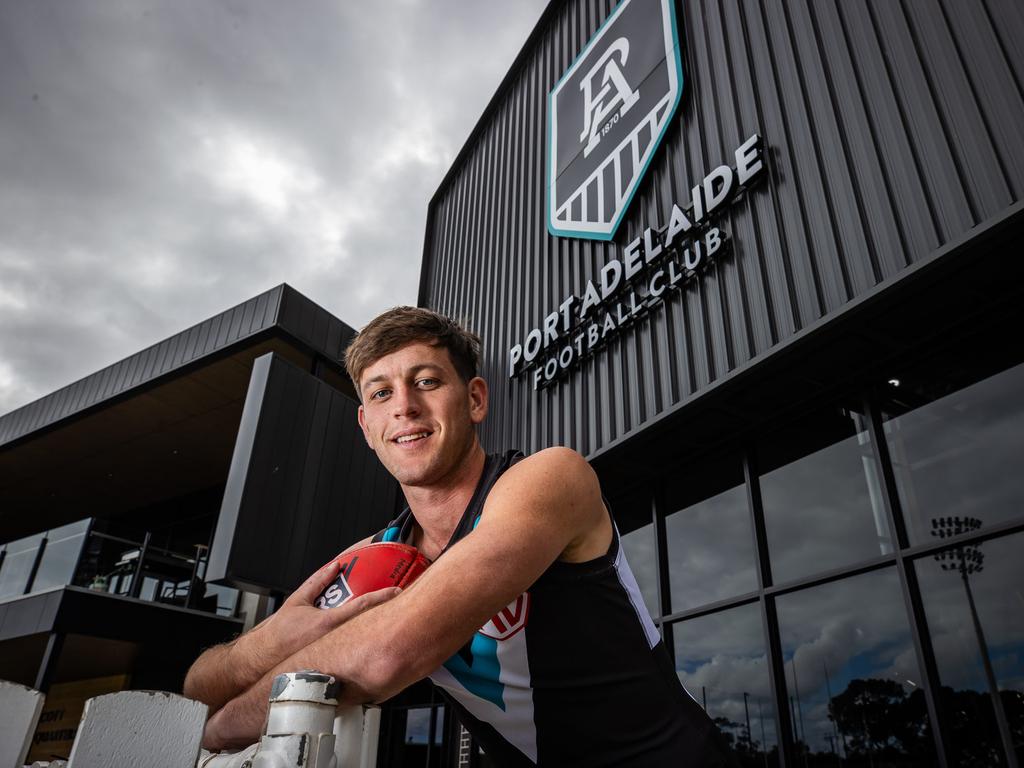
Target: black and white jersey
[[573, 671]]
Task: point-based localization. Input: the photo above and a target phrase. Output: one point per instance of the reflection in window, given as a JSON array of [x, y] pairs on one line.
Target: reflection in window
[[639, 548], [16, 566], [974, 602], [960, 455], [417, 726], [721, 660], [711, 550], [63, 546], [852, 675], [825, 510]]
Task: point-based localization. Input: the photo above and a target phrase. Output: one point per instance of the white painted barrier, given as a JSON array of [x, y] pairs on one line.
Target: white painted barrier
[[19, 714], [130, 729], [139, 728]]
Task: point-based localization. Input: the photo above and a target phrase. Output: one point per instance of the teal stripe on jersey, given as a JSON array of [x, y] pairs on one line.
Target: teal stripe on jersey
[[391, 534], [480, 675]]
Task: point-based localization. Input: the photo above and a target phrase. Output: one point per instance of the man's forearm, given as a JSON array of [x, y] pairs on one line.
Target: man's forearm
[[226, 671]]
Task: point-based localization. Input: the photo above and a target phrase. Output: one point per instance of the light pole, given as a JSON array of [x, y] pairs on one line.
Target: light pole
[[968, 559], [746, 711]]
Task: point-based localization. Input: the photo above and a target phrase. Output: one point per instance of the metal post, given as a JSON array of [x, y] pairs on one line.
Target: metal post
[[35, 565], [658, 513], [908, 581], [769, 616], [137, 576], [54, 645]]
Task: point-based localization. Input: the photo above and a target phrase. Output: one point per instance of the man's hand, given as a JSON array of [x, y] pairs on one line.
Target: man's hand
[[298, 622], [225, 671]]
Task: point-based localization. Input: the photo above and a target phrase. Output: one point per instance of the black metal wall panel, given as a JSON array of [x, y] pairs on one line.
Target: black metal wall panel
[[303, 484], [891, 128], [310, 324]]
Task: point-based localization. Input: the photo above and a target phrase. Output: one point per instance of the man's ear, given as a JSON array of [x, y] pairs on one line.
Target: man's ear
[[477, 399], [362, 426]]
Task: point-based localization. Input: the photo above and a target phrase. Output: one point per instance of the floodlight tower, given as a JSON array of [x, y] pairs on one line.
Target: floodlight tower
[[968, 559]]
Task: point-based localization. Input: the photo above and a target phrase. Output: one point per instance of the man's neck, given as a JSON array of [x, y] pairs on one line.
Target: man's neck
[[438, 508]]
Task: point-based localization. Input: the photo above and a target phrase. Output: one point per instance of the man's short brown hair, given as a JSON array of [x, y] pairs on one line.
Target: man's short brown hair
[[400, 326]]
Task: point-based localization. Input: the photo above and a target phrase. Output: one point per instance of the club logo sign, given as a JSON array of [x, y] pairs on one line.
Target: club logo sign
[[607, 115]]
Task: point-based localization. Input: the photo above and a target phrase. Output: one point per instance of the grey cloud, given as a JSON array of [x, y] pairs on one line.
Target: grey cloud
[[163, 161]]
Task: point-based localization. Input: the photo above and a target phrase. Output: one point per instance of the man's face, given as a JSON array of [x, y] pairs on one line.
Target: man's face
[[418, 415]]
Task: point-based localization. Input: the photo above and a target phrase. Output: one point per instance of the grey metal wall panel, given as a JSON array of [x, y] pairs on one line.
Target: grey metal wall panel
[[303, 484], [891, 129]]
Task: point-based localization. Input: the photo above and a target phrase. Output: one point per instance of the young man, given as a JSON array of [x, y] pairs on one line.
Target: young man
[[529, 619]]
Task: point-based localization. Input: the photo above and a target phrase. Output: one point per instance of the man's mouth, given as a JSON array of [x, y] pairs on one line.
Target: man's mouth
[[411, 438]]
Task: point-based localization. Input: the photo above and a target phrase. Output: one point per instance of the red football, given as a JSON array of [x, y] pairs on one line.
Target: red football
[[372, 567]]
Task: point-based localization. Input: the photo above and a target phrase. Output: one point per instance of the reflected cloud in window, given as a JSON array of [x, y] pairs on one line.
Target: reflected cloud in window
[[825, 510], [959, 454], [711, 550], [722, 662], [852, 676]]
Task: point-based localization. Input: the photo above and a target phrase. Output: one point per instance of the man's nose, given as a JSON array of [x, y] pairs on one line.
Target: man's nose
[[405, 401]]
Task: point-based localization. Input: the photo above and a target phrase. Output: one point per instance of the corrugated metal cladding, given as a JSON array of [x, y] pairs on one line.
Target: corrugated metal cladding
[[303, 484], [891, 128], [282, 306]]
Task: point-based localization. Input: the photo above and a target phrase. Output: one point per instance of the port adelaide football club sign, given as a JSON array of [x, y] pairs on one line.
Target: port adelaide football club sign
[[606, 117]]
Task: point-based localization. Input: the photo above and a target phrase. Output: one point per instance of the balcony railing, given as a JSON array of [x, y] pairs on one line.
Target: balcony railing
[[77, 555]]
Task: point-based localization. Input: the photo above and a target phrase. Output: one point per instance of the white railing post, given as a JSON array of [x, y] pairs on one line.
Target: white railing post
[[19, 714]]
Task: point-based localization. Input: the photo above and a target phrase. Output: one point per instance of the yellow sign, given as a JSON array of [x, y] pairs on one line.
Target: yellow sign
[[58, 722]]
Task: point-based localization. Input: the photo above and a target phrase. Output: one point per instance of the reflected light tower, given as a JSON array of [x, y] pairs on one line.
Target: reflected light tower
[[969, 559]]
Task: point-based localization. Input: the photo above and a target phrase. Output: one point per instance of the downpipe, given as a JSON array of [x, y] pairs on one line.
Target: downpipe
[[305, 729]]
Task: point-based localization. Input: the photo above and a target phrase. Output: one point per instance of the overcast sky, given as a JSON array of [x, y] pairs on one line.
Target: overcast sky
[[163, 161]]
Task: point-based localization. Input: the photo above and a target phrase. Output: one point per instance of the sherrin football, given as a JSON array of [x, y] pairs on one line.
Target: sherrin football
[[372, 567]]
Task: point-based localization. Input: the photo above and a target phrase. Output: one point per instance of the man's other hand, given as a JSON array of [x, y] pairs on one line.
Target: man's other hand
[[226, 671], [298, 622]]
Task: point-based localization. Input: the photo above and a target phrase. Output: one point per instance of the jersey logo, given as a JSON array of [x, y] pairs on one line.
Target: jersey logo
[[509, 620]]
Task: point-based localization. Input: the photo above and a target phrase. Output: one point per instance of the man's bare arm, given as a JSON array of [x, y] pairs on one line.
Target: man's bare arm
[[225, 671], [547, 506]]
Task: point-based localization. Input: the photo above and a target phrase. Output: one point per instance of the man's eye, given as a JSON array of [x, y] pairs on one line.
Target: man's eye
[[380, 394], [426, 382]]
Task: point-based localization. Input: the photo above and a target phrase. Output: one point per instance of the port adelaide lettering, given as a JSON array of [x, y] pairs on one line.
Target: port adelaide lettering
[[659, 261]]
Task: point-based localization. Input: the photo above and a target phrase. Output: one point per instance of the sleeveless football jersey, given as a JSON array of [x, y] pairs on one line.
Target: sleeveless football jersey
[[573, 672]]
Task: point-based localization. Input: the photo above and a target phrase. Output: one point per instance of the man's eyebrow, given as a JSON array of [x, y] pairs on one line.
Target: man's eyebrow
[[411, 371]]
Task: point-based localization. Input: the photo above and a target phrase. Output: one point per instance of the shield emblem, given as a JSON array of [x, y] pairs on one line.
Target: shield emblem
[[607, 115], [509, 619]]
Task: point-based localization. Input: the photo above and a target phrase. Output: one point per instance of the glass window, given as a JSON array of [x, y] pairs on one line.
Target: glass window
[[974, 602], [417, 726], [17, 565], [960, 454], [852, 675], [722, 662], [711, 550], [825, 509], [639, 548], [60, 557]]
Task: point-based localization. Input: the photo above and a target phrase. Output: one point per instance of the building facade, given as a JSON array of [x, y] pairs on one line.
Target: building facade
[[757, 262]]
